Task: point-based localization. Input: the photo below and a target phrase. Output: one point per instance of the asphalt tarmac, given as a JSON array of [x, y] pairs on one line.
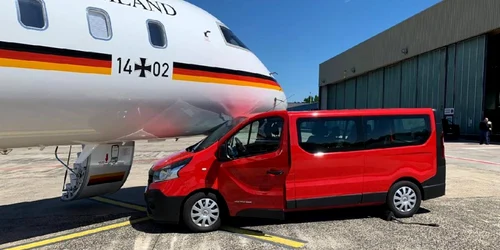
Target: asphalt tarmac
[[32, 215]]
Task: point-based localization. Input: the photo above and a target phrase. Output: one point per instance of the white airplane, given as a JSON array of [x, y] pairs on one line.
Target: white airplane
[[105, 73]]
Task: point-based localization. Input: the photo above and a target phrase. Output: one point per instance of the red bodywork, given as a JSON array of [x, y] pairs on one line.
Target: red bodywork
[[308, 181]]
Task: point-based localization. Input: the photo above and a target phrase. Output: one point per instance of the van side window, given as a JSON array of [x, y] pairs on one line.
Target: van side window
[[157, 35], [397, 131], [323, 135], [32, 14], [99, 23], [259, 137]]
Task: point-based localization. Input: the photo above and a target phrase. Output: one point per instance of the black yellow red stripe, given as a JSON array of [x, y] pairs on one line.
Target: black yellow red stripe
[[29, 56], [199, 73], [105, 178]]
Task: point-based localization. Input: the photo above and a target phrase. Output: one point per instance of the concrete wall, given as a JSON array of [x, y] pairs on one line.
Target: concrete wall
[[448, 77], [447, 22]]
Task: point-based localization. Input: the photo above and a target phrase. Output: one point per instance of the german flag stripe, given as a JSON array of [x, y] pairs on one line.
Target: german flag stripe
[[105, 178], [54, 51], [199, 73], [47, 58]]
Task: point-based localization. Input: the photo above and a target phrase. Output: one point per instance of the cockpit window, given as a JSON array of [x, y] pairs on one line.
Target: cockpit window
[[231, 38]]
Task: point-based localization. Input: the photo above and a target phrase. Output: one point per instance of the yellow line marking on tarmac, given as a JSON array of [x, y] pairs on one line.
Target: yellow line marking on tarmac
[[120, 204], [253, 234], [244, 232], [76, 235], [265, 237]]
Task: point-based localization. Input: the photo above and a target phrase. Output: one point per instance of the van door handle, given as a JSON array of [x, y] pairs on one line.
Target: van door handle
[[274, 172]]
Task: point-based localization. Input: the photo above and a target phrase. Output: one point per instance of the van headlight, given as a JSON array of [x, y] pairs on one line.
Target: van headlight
[[170, 171]]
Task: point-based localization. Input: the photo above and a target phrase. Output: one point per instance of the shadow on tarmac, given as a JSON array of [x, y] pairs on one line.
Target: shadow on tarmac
[[338, 214], [291, 218], [43, 217]]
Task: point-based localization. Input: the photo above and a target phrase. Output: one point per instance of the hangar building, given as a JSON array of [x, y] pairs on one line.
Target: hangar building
[[446, 56]]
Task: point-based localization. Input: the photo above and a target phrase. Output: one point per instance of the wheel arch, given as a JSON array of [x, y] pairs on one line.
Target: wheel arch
[[220, 198], [413, 180]]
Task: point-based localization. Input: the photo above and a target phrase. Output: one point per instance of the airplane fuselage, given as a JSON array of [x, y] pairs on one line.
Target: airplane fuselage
[[60, 85]]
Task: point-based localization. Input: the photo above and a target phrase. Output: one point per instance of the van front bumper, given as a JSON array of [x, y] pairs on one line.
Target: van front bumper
[[161, 208]]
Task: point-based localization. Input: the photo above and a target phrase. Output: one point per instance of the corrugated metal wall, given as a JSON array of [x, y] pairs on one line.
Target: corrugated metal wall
[[362, 92], [469, 83], [339, 102], [409, 73], [448, 77], [392, 86], [331, 96], [376, 89], [350, 94], [431, 80], [323, 93]]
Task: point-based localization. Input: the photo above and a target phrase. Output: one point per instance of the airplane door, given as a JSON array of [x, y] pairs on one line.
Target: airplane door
[[100, 169], [253, 180]]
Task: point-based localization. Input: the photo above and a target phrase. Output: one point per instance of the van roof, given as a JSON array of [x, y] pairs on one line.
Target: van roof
[[377, 111]]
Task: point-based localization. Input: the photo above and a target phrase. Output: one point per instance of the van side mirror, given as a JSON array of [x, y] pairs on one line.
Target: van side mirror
[[221, 153]]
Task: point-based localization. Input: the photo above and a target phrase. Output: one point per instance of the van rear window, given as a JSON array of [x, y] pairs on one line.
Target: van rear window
[[396, 131]]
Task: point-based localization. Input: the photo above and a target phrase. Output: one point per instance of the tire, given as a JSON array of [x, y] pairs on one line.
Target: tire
[[207, 204], [402, 196]]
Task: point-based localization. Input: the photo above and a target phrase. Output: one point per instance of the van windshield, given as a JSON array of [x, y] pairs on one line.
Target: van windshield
[[218, 133]]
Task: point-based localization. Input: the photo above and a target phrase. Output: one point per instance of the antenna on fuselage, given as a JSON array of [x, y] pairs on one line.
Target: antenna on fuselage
[[276, 101]]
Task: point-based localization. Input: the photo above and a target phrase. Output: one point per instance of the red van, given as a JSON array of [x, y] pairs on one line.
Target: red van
[[270, 163]]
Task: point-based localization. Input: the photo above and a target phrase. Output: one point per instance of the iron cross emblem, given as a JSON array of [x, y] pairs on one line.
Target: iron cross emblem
[[142, 67]]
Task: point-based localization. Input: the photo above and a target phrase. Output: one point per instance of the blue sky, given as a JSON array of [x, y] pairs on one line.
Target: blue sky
[[293, 37]]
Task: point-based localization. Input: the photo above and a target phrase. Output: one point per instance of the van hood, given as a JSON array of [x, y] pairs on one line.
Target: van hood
[[180, 155]]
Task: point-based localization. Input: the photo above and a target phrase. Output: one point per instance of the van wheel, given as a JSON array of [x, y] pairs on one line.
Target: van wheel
[[404, 199], [202, 212]]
